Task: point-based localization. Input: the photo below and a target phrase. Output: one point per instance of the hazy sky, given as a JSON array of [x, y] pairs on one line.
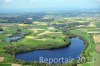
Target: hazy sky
[[50, 4]]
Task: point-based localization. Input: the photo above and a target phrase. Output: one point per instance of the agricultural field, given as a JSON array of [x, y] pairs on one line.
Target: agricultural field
[[41, 36], [25, 37]]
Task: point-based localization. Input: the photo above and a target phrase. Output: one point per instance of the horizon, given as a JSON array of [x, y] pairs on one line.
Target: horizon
[[44, 5]]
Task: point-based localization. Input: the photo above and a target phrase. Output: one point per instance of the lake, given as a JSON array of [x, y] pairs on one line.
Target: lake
[[67, 53]]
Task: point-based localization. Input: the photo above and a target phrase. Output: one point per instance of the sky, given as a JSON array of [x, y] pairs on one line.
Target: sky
[[49, 4]]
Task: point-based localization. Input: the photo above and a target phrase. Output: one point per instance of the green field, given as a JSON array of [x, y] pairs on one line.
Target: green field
[[41, 37]]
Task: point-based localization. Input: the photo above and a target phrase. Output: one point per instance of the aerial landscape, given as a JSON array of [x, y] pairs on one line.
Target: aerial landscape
[[49, 33]]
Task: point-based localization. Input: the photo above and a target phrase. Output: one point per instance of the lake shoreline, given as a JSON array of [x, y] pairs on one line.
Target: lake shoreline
[[64, 48]]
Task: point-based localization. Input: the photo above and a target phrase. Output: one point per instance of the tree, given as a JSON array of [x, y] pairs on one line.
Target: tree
[[1, 29]]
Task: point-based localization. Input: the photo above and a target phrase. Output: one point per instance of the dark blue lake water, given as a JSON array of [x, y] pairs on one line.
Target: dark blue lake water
[[73, 51]]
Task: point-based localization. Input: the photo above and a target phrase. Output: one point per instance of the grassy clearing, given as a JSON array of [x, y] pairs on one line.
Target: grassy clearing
[[5, 64], [97, 59]]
